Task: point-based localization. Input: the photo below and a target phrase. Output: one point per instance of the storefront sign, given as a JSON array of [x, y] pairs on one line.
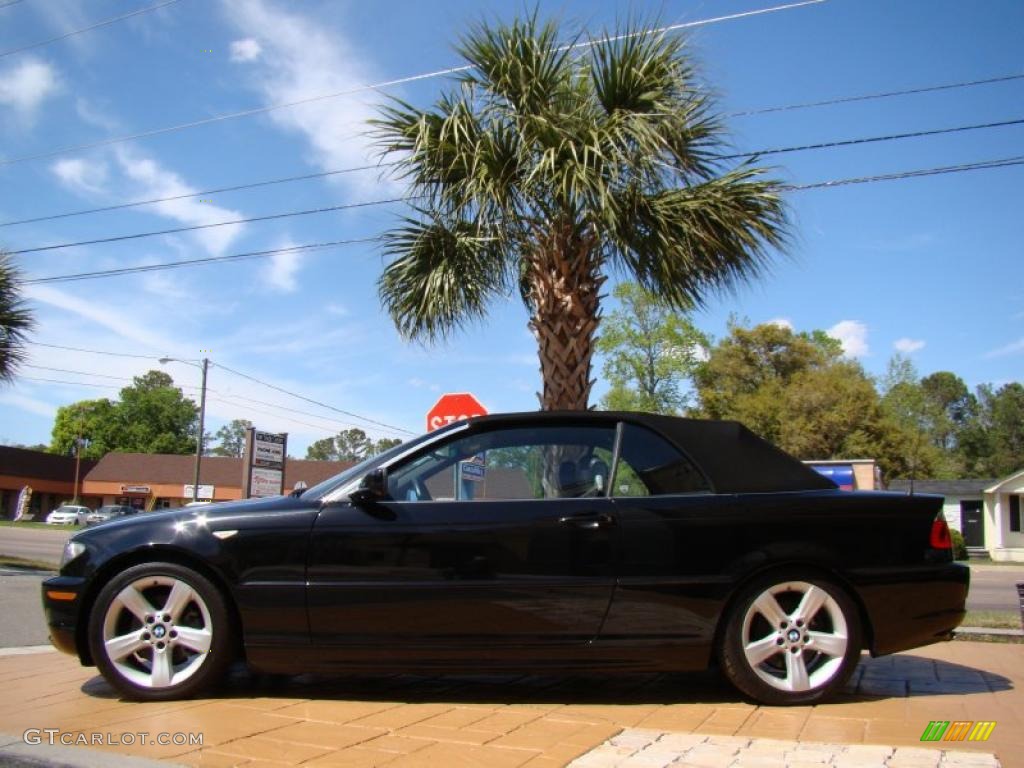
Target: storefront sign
[[265, 482], [134, 489], [263, 463], [205, 492], [268, 450]]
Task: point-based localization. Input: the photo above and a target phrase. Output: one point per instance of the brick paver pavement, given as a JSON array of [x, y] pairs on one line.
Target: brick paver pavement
[[535, 721]]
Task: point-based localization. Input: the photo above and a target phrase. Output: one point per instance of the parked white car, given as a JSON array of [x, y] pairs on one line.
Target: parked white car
[[68, 514]]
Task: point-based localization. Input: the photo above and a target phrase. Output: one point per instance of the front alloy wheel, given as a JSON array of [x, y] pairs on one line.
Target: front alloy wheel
[[160, 631], [791, 641]]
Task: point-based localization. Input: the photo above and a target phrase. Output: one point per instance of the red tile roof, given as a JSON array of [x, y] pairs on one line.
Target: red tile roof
[[219, 471]]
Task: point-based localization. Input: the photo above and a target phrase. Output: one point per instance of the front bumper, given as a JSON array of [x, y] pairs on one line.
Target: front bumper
[[62, 598]]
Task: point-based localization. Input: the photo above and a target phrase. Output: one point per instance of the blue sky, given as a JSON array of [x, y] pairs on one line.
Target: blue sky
[[931, 266]]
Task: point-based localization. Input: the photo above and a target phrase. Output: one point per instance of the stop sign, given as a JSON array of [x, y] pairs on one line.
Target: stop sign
[[453, 406]]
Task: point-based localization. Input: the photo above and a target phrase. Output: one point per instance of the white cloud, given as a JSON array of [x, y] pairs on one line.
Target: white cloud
[[81, 175], [908, 346], [853, 336], [781, 322], [245, 50], [151, 180], [107, 315], [281, 269], [30, 404], [25, 85], [301, 59], [1010, 349], [94, 116]]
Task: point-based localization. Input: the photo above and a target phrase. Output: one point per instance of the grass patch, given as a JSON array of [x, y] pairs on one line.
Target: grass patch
[[992, 619], [7, 561], [34, 524]]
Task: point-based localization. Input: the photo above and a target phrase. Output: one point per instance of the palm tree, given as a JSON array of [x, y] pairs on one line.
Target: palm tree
[[15, 320], [550, 167]]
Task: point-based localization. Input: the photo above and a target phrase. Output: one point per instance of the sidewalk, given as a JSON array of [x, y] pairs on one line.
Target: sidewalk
[[540, 722]]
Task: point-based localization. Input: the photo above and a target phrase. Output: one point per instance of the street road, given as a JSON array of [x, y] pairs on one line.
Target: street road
[[35, 543], [21, 610]]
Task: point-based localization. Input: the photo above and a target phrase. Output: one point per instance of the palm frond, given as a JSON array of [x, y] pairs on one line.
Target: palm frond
[[16, 320], [443, 275]]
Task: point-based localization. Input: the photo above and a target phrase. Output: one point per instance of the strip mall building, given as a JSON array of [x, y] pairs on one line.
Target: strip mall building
[[142, 480]]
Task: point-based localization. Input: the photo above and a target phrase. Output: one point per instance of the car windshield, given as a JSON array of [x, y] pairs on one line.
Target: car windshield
[[320, 490]]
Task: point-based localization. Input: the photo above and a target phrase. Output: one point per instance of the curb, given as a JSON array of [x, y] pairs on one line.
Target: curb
[[15, 752], [989, 631], [26, 650]]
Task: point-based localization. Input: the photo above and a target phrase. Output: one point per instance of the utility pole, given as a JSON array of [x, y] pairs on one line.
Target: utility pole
[[199, 437], [78, 462]]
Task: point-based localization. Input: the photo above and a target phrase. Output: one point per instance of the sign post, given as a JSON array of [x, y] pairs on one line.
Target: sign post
[[263, 463], [449, 408]]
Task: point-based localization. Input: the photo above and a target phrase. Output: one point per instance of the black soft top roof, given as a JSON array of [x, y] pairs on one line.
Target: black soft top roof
[[734, 459]]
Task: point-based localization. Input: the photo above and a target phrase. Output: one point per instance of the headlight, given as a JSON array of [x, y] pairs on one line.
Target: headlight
[[71, 550]]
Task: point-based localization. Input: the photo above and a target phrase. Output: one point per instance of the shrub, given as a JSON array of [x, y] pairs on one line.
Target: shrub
[[959, 547]]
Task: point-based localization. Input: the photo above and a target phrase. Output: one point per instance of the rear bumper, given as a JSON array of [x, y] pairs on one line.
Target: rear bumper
[[914, 607], [63, 611]]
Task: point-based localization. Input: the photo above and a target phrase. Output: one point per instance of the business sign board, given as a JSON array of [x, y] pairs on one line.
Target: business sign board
[[134, 489], [263, 463], [268, 450], [205, 492], [265, 482]]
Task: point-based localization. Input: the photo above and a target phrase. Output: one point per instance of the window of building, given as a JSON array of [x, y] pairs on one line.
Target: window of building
[[1015, 513]]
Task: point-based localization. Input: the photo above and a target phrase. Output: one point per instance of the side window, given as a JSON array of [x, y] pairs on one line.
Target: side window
[[650, 466], [520, 463]]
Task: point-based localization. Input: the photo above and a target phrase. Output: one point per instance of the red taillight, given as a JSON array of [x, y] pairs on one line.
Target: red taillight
[[940, 538]]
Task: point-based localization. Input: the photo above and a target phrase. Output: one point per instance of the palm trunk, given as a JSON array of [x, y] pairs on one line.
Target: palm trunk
[[564, 283]]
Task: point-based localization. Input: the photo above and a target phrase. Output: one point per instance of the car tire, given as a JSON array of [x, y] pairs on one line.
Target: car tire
[[160, 631], [791, 638]]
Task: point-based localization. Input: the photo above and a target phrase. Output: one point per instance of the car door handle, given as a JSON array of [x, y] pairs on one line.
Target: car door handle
[[588, 520]]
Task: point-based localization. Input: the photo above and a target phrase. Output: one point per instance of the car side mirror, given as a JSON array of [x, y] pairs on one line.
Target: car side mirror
[[372, 488]]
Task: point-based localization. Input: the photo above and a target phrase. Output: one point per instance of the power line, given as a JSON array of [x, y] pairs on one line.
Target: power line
[[235, 188], [364, 204], [102, 375], [979, 166], [314, 402], [98, 274], [881, 95], [73, 383], [872, 139], [94, 351], [192, 262], [374, 87], [337, 171], [290, 410], [97, 25], [194, 227]]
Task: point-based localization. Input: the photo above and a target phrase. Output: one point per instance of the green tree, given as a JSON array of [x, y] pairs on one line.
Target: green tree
[[918, 417], [546, 168], [348, 445], [797, 390], [94, 421], [650, 352], [15, 320], [1005, 414], [322, 450], [152, 416], [384, 444], [231, 438], [155, 417]]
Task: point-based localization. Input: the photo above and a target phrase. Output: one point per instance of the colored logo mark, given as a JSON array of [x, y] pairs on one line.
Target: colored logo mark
[[958, 730]]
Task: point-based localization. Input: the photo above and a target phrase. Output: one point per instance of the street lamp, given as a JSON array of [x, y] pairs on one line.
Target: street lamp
[[202, 415]]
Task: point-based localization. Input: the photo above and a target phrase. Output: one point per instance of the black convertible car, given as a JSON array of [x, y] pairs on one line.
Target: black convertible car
[[539, 541]]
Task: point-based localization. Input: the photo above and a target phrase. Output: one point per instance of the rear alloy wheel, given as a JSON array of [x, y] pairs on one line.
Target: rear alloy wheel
[[791, 641], [160, 631]]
